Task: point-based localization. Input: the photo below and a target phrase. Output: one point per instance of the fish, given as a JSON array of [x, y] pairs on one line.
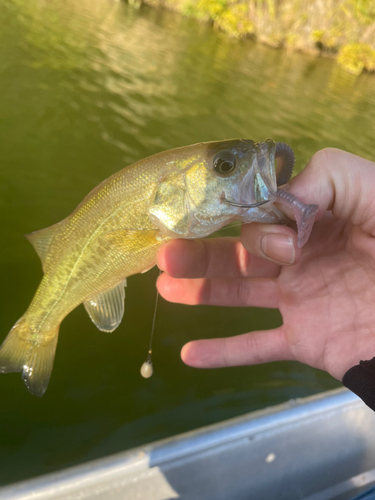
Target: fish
[[117, 230]]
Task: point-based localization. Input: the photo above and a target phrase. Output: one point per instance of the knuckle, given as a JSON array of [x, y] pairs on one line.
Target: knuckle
[[206, 292], [325, 160], [320, 160], [225, 357], [243, 260], [204, 258], [250, 238], [242, 291]]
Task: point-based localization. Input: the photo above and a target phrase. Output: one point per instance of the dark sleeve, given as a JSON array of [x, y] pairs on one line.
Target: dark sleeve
[[360, 379]]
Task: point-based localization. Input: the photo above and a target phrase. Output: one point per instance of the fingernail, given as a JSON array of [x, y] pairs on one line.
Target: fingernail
[[278, 247]]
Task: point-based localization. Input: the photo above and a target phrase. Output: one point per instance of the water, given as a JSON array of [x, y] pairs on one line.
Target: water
[[86, 88]]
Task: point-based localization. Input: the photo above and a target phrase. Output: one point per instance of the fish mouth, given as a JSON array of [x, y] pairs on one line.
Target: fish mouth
[[242, 205]]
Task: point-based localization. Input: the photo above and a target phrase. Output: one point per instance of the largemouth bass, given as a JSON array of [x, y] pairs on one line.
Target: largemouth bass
[[117, 230]]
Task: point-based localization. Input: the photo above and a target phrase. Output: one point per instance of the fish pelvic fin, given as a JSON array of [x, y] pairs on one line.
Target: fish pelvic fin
[[21, 352]]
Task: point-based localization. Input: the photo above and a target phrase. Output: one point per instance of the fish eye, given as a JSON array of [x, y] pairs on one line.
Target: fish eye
[[224, 163]]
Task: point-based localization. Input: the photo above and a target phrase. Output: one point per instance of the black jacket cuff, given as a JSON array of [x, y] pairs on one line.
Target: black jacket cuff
[[360, 379]]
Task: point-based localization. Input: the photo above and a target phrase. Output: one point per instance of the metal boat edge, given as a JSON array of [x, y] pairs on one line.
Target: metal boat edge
[[317, 448]]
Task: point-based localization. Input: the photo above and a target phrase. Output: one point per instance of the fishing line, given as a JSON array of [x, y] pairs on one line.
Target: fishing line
[[153, 323], [146, 368]]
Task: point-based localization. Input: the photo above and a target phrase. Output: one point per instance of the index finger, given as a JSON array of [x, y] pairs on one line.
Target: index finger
[[213, 258]]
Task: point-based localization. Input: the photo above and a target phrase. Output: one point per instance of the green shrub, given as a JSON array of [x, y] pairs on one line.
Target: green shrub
[[355, 57], [234, 21], [343, 27]]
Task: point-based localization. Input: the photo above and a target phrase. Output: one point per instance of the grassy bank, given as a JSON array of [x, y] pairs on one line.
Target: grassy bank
[[344, 29]]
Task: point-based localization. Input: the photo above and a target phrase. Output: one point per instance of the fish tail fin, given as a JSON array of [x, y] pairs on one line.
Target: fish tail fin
[[21, 352]]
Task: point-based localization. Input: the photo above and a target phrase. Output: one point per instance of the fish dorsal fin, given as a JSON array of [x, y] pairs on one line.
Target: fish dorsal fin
[[107, 308], [41, 240]]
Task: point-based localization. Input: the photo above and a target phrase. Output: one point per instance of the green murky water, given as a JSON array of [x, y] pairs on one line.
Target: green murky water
[[86, 88]]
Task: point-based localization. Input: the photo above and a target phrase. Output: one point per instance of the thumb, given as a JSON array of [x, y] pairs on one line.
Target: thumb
[[340, 182]]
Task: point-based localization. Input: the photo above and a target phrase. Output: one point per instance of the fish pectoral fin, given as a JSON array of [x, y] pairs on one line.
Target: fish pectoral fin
[[106, 309], [134, 240], [41, 240]]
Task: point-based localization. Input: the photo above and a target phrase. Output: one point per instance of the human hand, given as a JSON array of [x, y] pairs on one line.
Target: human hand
[[325, 293]]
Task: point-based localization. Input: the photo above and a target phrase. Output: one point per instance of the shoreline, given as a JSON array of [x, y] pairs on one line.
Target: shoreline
[[343, 30]]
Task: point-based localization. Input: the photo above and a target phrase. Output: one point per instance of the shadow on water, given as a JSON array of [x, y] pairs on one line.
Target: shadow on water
[[87, 88]]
